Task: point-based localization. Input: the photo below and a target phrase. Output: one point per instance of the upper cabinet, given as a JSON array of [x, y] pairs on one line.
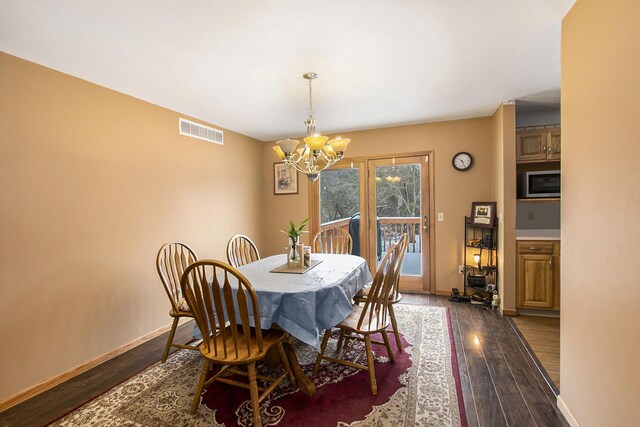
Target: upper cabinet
[[553, 144], [540, 145]]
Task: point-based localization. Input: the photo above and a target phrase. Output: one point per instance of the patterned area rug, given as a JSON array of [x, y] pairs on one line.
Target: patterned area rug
[[421, 388]]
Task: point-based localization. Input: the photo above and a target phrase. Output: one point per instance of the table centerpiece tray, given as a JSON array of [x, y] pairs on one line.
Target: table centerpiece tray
[[296, 270]]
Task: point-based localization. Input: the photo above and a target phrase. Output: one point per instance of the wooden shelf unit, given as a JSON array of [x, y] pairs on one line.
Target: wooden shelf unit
[[488, 249]]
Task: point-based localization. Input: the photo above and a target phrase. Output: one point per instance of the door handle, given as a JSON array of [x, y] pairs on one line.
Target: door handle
[[425, 224]]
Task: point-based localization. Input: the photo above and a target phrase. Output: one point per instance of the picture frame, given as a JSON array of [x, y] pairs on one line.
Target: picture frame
[[483, 214], [285, 179]]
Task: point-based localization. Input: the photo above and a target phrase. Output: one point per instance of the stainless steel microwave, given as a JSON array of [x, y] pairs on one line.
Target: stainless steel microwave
[[540, 184]]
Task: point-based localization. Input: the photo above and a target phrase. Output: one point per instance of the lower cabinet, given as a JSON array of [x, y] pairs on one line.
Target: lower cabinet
[[538, 277]]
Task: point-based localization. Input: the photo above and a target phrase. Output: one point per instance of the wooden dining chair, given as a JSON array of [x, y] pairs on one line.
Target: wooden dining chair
[[171, 261], [395, 295], [220, 295], [241, 250], [332, 241], [369, 319]]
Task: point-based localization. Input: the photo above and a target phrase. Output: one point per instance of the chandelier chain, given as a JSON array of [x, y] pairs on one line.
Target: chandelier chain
[[310, 100]]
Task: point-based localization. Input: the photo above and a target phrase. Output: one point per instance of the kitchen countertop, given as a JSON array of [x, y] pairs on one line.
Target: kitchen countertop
[[538, 234]]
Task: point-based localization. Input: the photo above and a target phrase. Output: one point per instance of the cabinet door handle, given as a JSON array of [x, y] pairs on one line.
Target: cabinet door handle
[[551, 264], [425, 225], [544, 149], [533, 248]]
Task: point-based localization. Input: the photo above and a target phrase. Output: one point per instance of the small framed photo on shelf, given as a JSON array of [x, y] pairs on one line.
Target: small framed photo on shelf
[[483, 214], [285, 179]]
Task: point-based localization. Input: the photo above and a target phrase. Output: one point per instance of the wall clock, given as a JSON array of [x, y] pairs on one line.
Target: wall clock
[[462, 161]]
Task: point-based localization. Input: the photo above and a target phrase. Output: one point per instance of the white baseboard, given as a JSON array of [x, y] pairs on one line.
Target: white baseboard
[[567, 413]]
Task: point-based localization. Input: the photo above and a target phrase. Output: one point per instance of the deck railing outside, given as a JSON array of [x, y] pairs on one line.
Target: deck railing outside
[[390, 230]]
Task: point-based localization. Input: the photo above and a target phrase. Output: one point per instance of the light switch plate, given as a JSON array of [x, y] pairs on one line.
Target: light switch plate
[[440, 216]]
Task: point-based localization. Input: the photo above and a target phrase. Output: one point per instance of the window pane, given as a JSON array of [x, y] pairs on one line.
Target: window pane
[[340, 202], [398, 211]]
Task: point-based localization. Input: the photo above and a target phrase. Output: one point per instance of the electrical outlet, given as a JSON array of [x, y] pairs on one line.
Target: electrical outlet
[[461, 269], [531, 216], [440, 216]]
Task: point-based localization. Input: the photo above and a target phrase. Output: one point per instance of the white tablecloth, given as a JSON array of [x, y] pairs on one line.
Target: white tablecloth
[[306, 304]]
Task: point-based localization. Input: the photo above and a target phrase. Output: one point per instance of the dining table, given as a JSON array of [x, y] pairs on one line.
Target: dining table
[[304, 304]]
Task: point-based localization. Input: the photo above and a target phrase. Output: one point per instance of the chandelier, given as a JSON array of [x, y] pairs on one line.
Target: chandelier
[[318, 152]]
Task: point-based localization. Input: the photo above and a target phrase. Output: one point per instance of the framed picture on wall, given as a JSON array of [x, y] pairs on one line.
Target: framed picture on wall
[[285, 179], [483, 214]]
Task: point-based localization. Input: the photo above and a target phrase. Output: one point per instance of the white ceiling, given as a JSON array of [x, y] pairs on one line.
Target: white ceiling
[[239, 64]]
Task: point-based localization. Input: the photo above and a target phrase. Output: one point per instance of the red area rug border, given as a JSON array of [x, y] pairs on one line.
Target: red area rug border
[[456, 372]]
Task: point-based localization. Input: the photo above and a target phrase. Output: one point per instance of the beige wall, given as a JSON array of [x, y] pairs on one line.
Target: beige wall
[[93, 182], [600, 351], [454, 191], [504, 193]]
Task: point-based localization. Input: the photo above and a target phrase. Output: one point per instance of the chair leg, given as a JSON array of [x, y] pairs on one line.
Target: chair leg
[[394, 325], [323, 347], [372, 374], [340, 340], [285, 362], [172, 332], [253, 388], [385, 338], [200, 386]]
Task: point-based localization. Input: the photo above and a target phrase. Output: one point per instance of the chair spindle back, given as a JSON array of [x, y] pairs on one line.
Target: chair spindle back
[[172, 260], [241, 250], [376, 307], [404, 242], [332, 241], [223, 302]]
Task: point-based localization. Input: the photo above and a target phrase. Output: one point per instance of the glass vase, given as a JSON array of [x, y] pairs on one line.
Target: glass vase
[[292, 249]]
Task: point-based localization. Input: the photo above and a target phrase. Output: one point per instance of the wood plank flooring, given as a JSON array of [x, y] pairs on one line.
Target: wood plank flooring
[[64, 398], [500, 381], [543, 336]]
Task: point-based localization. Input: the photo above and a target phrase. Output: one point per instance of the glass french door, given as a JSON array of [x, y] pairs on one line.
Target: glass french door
[[376, 201], [399, 203]]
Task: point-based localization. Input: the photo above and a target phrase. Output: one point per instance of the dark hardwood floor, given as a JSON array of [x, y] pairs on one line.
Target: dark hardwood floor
[[501, 383]]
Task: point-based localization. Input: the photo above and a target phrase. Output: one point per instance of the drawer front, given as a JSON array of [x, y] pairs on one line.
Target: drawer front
[[535, 247]]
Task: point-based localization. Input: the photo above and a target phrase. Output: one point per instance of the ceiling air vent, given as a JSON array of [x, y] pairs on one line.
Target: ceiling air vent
[[195, 130]]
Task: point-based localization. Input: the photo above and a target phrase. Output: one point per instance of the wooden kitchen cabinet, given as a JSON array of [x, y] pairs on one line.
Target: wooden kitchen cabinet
[[540, 145], [538, 276], [553, 144]]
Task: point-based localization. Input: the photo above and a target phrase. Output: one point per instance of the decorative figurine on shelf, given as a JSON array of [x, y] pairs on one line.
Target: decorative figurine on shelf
[[495, 302], [295, 254]]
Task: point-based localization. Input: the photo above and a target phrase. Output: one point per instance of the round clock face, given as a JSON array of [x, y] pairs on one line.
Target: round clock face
[[462, 161]]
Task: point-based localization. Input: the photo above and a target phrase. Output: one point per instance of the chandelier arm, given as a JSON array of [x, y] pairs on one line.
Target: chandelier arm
[[294, 162], [310, 164], [325, 157], [299, 159], [299, 169]]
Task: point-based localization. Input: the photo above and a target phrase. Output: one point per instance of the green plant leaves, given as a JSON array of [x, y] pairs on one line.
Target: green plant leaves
[[294, 232]]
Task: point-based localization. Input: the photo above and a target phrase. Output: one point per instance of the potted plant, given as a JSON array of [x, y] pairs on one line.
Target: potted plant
[[294, 234]]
